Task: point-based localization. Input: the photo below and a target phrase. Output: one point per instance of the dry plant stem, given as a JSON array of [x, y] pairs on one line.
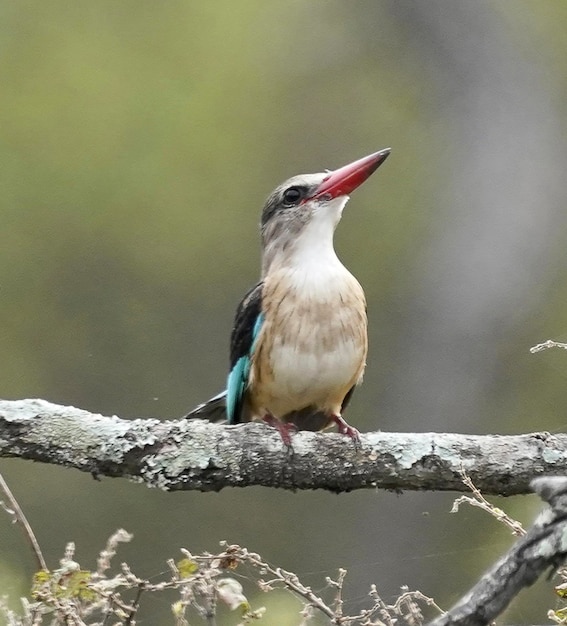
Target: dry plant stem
[[106, 555], [288, 579], [135, 605], [418, 596], [482, 503], [338, 584], [21, 519], [546, 345], [405, 607]]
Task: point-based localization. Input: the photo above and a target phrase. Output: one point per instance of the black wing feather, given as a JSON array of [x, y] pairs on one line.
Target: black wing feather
[[245, 319]]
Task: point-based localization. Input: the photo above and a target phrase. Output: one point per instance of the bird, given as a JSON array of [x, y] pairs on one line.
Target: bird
[[299, 342]]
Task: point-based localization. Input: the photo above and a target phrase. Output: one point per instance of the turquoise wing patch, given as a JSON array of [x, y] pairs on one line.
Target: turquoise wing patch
[[238, 376]]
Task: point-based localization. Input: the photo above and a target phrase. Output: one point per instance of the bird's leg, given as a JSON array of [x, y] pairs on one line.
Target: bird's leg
[[347, 429], [285, 429]]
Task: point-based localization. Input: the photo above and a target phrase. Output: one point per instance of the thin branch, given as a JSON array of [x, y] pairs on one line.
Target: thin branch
[[135, 605], [289, 580], [546, 345], [197, 455], [13, 508], [482, 503]]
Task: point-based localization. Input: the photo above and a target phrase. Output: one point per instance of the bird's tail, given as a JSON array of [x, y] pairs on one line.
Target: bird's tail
[[213, 410]]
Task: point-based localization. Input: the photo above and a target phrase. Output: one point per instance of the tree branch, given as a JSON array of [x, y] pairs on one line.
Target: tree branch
[[543, 548], [197, 455]]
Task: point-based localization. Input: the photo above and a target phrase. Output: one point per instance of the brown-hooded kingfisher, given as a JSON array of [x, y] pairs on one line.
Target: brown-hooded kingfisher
[[299, 342]]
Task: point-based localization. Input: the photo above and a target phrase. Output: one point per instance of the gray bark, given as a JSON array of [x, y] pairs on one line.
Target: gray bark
[[198, 455]]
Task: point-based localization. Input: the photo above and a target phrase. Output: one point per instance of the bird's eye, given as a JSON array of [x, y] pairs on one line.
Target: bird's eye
[[292, 196]]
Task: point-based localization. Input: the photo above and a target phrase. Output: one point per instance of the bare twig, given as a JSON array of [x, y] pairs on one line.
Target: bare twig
[[546, 345], [338, 585], [135, 605], [289, 580], [407, 607], [13, 508], [106, 555], [482, 503]]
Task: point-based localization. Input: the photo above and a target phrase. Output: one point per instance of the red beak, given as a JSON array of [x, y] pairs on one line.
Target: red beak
[[346, 179]]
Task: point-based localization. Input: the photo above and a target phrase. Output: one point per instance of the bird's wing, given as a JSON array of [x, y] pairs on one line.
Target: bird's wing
[[247, 324]]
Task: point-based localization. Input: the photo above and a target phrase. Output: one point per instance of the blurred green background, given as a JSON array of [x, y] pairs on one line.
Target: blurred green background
[[137, 143]]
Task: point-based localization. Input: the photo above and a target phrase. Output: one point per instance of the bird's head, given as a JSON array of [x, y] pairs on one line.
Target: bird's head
[[302, 213]]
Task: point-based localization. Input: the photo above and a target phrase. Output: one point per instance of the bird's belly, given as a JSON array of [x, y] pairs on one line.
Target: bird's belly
[[314, 377], [312, 359]]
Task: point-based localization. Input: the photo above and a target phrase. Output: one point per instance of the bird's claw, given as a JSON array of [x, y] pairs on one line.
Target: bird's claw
[[285, 429], [348, 430]]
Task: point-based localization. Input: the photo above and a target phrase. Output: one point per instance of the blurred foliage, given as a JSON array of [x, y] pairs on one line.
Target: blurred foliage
[[137, 142]]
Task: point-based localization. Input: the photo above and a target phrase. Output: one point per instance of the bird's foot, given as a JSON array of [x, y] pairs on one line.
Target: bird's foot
[[285, 429], [348, 430]]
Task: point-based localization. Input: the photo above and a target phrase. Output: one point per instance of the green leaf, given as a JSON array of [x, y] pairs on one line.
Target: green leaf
[[187, 567]]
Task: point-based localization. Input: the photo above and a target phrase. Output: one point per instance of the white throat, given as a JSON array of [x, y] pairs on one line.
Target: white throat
[[313, 247]]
